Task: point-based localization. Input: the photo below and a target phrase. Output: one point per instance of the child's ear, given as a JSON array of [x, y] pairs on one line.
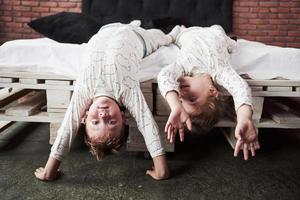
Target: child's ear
[[83, 120], [213, 91]]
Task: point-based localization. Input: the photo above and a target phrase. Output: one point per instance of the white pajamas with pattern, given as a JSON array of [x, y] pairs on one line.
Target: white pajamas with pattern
[[205, 49], [112, 63]]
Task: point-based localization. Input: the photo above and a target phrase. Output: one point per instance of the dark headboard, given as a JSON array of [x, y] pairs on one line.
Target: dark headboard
[[162, 14]]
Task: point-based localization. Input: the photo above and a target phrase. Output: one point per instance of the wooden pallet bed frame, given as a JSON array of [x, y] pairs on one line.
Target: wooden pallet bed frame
[[37, 97]]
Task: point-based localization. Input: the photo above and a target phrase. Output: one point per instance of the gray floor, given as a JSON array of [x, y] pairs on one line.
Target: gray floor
[[202, 168]]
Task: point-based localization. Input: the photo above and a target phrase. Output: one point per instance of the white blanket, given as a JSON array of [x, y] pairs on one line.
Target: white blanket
[[44, 55]]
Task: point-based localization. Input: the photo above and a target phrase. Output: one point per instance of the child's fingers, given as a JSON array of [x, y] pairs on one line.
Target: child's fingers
[[181, 134], [167, 126], [246, 152], [237, 147], [188, 123], [169, 132]]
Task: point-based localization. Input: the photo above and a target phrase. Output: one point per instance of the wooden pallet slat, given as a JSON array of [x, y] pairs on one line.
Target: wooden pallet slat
[[32, 102]]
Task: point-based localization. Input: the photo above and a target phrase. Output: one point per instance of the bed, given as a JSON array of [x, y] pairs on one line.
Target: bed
[[41, 92]]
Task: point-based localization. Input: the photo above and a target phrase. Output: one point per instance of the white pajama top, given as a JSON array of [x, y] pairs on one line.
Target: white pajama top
[[206, 50], [112, 63]]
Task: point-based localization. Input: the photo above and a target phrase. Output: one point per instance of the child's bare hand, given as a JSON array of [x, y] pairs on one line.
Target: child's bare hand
[[43, 175], [157, 175], [246, 136], [177, 120]]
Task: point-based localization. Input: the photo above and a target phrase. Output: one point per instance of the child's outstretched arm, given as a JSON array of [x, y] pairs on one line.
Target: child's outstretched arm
[[167, 80], [135, 102], [178, 118], [50, 172], [245, 132], [160, 168], [67, 132]]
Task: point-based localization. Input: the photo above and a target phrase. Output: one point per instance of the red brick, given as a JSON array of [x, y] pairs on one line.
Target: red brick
[[258, 21], [248, 15], [284, 39], [294, 33], [267, 15], [40, 9], [21, 8], [57, 9], [268, 4], [279, 44], [29, 3], [6, 19], [278, 33], [290, 4], [285, 15], [294, 21], [22, 19], [241, 9], [247, 26], [257, 33], [264, 38], [6, 7], [278, 21], [78, 10], [248, 4], [66, 5], [31, 14], [280, 10], [48, 4], [294, 45]]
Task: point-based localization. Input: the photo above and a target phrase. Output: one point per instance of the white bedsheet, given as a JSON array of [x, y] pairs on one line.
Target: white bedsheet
[[262, 61], [44, 55]]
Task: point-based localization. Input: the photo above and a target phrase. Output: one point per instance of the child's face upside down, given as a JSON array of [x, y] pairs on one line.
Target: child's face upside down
[[104, 120], [194, 91]]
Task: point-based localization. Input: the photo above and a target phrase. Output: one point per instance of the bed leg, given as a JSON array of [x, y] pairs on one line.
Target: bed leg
[[258, 103]]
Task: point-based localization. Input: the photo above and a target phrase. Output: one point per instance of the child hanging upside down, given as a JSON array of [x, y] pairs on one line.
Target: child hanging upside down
[[108, 81], [190, 85]]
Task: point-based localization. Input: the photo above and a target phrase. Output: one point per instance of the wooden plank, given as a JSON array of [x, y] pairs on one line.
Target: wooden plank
[[8, 95], [37, 117], [35, 75], [34, 101], [58, 82], [8, 80], [58, 98], [56, 110], [37, 86], [4, 125], [280, 83], [258, 103], [31, 81], [279, 89], [275, 94]]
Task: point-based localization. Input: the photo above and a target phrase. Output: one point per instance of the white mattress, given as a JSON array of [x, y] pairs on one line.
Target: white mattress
[[44, 55]]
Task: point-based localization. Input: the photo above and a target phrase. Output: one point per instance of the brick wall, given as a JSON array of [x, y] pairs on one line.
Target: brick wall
[[269, 21], [15, 14]]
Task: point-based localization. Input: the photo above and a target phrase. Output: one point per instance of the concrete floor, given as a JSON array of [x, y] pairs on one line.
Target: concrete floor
[[202, 168]]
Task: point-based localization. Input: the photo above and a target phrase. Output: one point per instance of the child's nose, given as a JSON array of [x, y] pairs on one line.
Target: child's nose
[[103, 113]]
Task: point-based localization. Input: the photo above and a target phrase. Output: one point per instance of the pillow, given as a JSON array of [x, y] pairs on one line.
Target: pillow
[[66, 27]]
